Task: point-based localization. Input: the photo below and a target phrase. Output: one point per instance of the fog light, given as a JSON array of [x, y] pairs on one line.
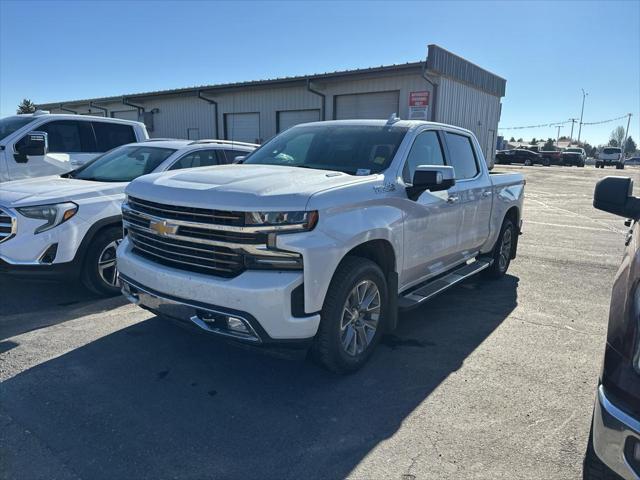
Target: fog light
[[236, 325], [50, 254]]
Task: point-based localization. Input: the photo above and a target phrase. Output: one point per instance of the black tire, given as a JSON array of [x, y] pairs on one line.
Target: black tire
[[546, 162], [499, 267], [528, 163], [328, 349], [592, 466], [91, 276]]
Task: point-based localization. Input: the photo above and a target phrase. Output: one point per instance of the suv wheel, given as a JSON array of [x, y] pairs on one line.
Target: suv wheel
[[352, 318], [502, 250], [99, 272]]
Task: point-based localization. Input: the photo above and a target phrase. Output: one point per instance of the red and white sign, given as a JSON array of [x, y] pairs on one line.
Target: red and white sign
[[418, 105], [419, 99]]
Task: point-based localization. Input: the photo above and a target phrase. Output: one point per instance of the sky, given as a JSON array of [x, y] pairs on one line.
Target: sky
[[547, 51]]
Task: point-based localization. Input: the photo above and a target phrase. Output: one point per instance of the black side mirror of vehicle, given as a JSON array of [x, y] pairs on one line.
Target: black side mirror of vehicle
[[614, 195], [34, 143], [239, 159], [434, 178]]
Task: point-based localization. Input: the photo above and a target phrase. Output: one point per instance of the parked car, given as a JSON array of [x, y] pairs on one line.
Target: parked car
[[554, 156], [320, 235], [574, 156], [613, 450], [610, 156], [632, 161], [521, 155], [39, 144], [68, 226]]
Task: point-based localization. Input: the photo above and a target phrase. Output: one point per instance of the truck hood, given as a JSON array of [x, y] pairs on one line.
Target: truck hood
[[240, 187], [54, 189]]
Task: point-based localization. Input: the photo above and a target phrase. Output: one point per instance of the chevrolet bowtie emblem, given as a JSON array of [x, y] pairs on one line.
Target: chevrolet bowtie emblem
[[162, 227]]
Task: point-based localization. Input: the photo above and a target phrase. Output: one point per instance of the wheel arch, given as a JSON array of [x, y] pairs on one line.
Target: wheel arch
[[96, 228]]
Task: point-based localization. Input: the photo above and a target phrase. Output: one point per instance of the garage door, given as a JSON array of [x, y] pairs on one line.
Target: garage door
[[289, 118], [243, 127], [126, 115], [366, 105]]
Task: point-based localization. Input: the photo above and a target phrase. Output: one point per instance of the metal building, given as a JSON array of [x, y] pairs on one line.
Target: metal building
[[445, 88]]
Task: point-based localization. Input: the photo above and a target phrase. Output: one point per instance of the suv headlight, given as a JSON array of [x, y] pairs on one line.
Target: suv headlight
[[53, 215], [283, 221]]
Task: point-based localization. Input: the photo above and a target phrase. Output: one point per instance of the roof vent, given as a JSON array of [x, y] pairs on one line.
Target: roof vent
[[37, 113], [393, 119]]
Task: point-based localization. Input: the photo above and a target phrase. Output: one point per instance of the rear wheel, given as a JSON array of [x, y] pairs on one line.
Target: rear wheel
[[527, 163], [502, 250], [99, 272], [352, 318]]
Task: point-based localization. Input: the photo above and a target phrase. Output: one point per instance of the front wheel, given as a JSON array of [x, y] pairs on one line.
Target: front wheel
[[99, 272], [527, 163], [502, 250], [353, 315]]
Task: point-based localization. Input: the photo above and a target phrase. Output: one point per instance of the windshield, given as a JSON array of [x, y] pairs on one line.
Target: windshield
[[123, 164], [612, 150], [573, 150], [9, 125], [352, 149]]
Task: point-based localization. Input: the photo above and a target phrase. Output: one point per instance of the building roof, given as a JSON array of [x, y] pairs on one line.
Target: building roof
[[439, 61]]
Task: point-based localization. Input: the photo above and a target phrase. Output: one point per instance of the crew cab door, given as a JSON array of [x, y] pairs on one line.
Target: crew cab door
[[472, 191], [69, 141], [431, 221]]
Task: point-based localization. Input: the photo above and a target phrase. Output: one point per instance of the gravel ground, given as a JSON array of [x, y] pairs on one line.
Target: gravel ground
[[489, 380]]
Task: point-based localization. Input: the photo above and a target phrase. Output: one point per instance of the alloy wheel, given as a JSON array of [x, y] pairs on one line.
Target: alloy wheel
[[360, 317], [107, 264]]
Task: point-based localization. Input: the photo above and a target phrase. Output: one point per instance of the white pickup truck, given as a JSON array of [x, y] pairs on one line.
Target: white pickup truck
[[321, 235]]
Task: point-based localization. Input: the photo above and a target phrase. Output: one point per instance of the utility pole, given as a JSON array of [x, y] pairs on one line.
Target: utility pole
[[573, 122], [584, 95], [558, 134], [626, 133]]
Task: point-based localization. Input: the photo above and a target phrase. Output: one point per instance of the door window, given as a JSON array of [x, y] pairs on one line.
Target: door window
[[69, 136], [426, 150], [232, 154], [462, 156], [200, 158], [112, 135]]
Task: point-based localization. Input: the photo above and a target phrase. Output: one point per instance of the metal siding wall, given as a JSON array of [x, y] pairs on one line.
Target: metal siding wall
[[461, 105]]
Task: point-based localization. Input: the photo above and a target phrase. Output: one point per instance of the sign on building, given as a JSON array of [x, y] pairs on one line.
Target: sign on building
[[418, 105]]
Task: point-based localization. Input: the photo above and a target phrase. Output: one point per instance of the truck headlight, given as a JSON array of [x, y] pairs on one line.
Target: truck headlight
[[283, 221], [53, 215]]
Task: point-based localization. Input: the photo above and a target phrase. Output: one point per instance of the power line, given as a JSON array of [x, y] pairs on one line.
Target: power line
[[555, 124]]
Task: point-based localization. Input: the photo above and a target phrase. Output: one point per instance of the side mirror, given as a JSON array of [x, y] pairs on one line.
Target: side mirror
[[239, 159], [34, 143], [614, 195], [431, 177]]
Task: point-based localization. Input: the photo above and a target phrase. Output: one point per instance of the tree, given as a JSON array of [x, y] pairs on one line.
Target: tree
[[534, 141], [630, 146], [548, 145], [512, 139], [26, 106], [520, 139], [617, 136]]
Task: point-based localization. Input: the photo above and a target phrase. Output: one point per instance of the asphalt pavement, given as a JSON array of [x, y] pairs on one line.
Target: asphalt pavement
[[490, 380]]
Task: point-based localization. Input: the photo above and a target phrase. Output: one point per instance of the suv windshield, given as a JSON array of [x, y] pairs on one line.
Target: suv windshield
[[9, 125], [611, 150], [123, 164], [352, 149]]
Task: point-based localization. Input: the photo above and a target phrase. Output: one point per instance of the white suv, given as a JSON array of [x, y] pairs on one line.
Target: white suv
[[39, 144], [70, 225], [609, 156]]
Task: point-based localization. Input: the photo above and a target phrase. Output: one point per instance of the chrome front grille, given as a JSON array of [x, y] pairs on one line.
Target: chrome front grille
[[188, 214], [7, 225], [167, 234]]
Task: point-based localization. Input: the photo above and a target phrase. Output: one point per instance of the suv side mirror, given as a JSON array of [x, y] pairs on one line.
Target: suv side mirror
[[239, 159], [34, 143], [613, 195], [431, 177]]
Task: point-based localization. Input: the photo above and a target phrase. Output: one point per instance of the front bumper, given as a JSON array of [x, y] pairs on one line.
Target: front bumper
[[260, 299], [613, 431]]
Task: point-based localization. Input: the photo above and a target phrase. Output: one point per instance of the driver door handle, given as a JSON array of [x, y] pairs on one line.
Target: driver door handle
[[486, 193], [453, 199]]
